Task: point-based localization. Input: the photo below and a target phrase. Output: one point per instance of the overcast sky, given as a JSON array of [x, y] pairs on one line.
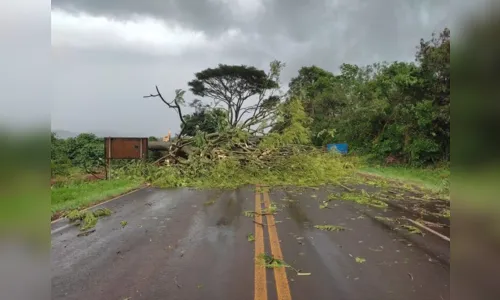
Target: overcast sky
[[107, 54]]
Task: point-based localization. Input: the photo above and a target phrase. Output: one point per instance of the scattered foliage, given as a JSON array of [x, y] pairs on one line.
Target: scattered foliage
[[102, 212], [271, 262], [385, 219], [209, 202], [360, 260], [412, 229], [332, 197], [323, 205], [329, 227], [250, 237], [272, 209], [88, 219], [364, 198], [249, 214]]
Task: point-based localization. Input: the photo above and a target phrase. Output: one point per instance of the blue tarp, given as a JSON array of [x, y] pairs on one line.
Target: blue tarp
[[341, 148]]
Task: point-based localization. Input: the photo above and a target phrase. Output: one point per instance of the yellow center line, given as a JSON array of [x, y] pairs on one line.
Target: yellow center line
[[282, 287], [260, 285]]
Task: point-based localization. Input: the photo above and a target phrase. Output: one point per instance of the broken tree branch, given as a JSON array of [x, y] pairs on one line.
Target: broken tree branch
[[179, 94]]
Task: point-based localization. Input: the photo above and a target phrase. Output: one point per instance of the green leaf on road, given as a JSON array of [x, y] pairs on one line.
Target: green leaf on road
[[412, 229], [250, 237], [360, 260], [329, 227], [249, 213]]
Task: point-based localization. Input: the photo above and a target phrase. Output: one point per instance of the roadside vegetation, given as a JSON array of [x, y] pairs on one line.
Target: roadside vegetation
[[78, 173], [243, 129], [431, 178], [80, 195]]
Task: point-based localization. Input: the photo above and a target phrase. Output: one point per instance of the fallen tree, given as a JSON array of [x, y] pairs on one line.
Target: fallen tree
[[242, 150], [230, 89], [217, 146]]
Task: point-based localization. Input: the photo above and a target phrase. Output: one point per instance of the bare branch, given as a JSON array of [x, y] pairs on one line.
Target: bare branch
[[174, 104]]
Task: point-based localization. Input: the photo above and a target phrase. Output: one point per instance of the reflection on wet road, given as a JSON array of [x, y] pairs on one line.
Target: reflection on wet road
[[192, 244]]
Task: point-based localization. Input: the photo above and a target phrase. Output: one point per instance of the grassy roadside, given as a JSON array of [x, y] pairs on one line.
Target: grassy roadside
[[428, 178], [84, 194]]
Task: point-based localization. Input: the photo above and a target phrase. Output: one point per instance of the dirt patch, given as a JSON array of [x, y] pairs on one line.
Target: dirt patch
[[56, 215]]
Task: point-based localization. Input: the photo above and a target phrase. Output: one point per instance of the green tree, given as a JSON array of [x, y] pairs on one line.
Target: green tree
[[232, 87], [434, 59], [398, 110], [248, 96], [320, 93], [86, 151], [206, 120], [60, 163]]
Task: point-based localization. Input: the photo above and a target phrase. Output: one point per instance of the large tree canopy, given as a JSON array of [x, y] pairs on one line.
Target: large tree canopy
[[232, 86], [249, 97]]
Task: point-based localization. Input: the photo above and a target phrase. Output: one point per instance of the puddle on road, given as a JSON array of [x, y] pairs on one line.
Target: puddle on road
[[167, 199], [228, 209], [218, 236], [297, 213], [334, 261]]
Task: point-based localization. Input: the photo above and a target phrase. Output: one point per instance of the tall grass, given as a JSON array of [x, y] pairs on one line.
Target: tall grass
[[436, 179], [83, 194]]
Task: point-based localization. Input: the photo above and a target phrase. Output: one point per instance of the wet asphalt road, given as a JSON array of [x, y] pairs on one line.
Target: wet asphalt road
[[191, 244]]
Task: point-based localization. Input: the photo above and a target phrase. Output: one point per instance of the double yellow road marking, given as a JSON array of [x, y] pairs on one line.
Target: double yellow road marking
[[260, 287], [280, 278]]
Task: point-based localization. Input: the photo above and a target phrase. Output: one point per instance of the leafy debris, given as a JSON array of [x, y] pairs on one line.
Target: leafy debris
[[249, 213], [272, 209], [412, 229], [332, 197], [324, 204], [385, 219], [209, 202], [250, 237], [329, 227], [270, 262], [360, 260], [88, 219], [364, 199], [102, 212]]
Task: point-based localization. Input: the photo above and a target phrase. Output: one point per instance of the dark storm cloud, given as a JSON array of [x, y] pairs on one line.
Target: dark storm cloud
[[209, 16], [298, 19], [335, 30]]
